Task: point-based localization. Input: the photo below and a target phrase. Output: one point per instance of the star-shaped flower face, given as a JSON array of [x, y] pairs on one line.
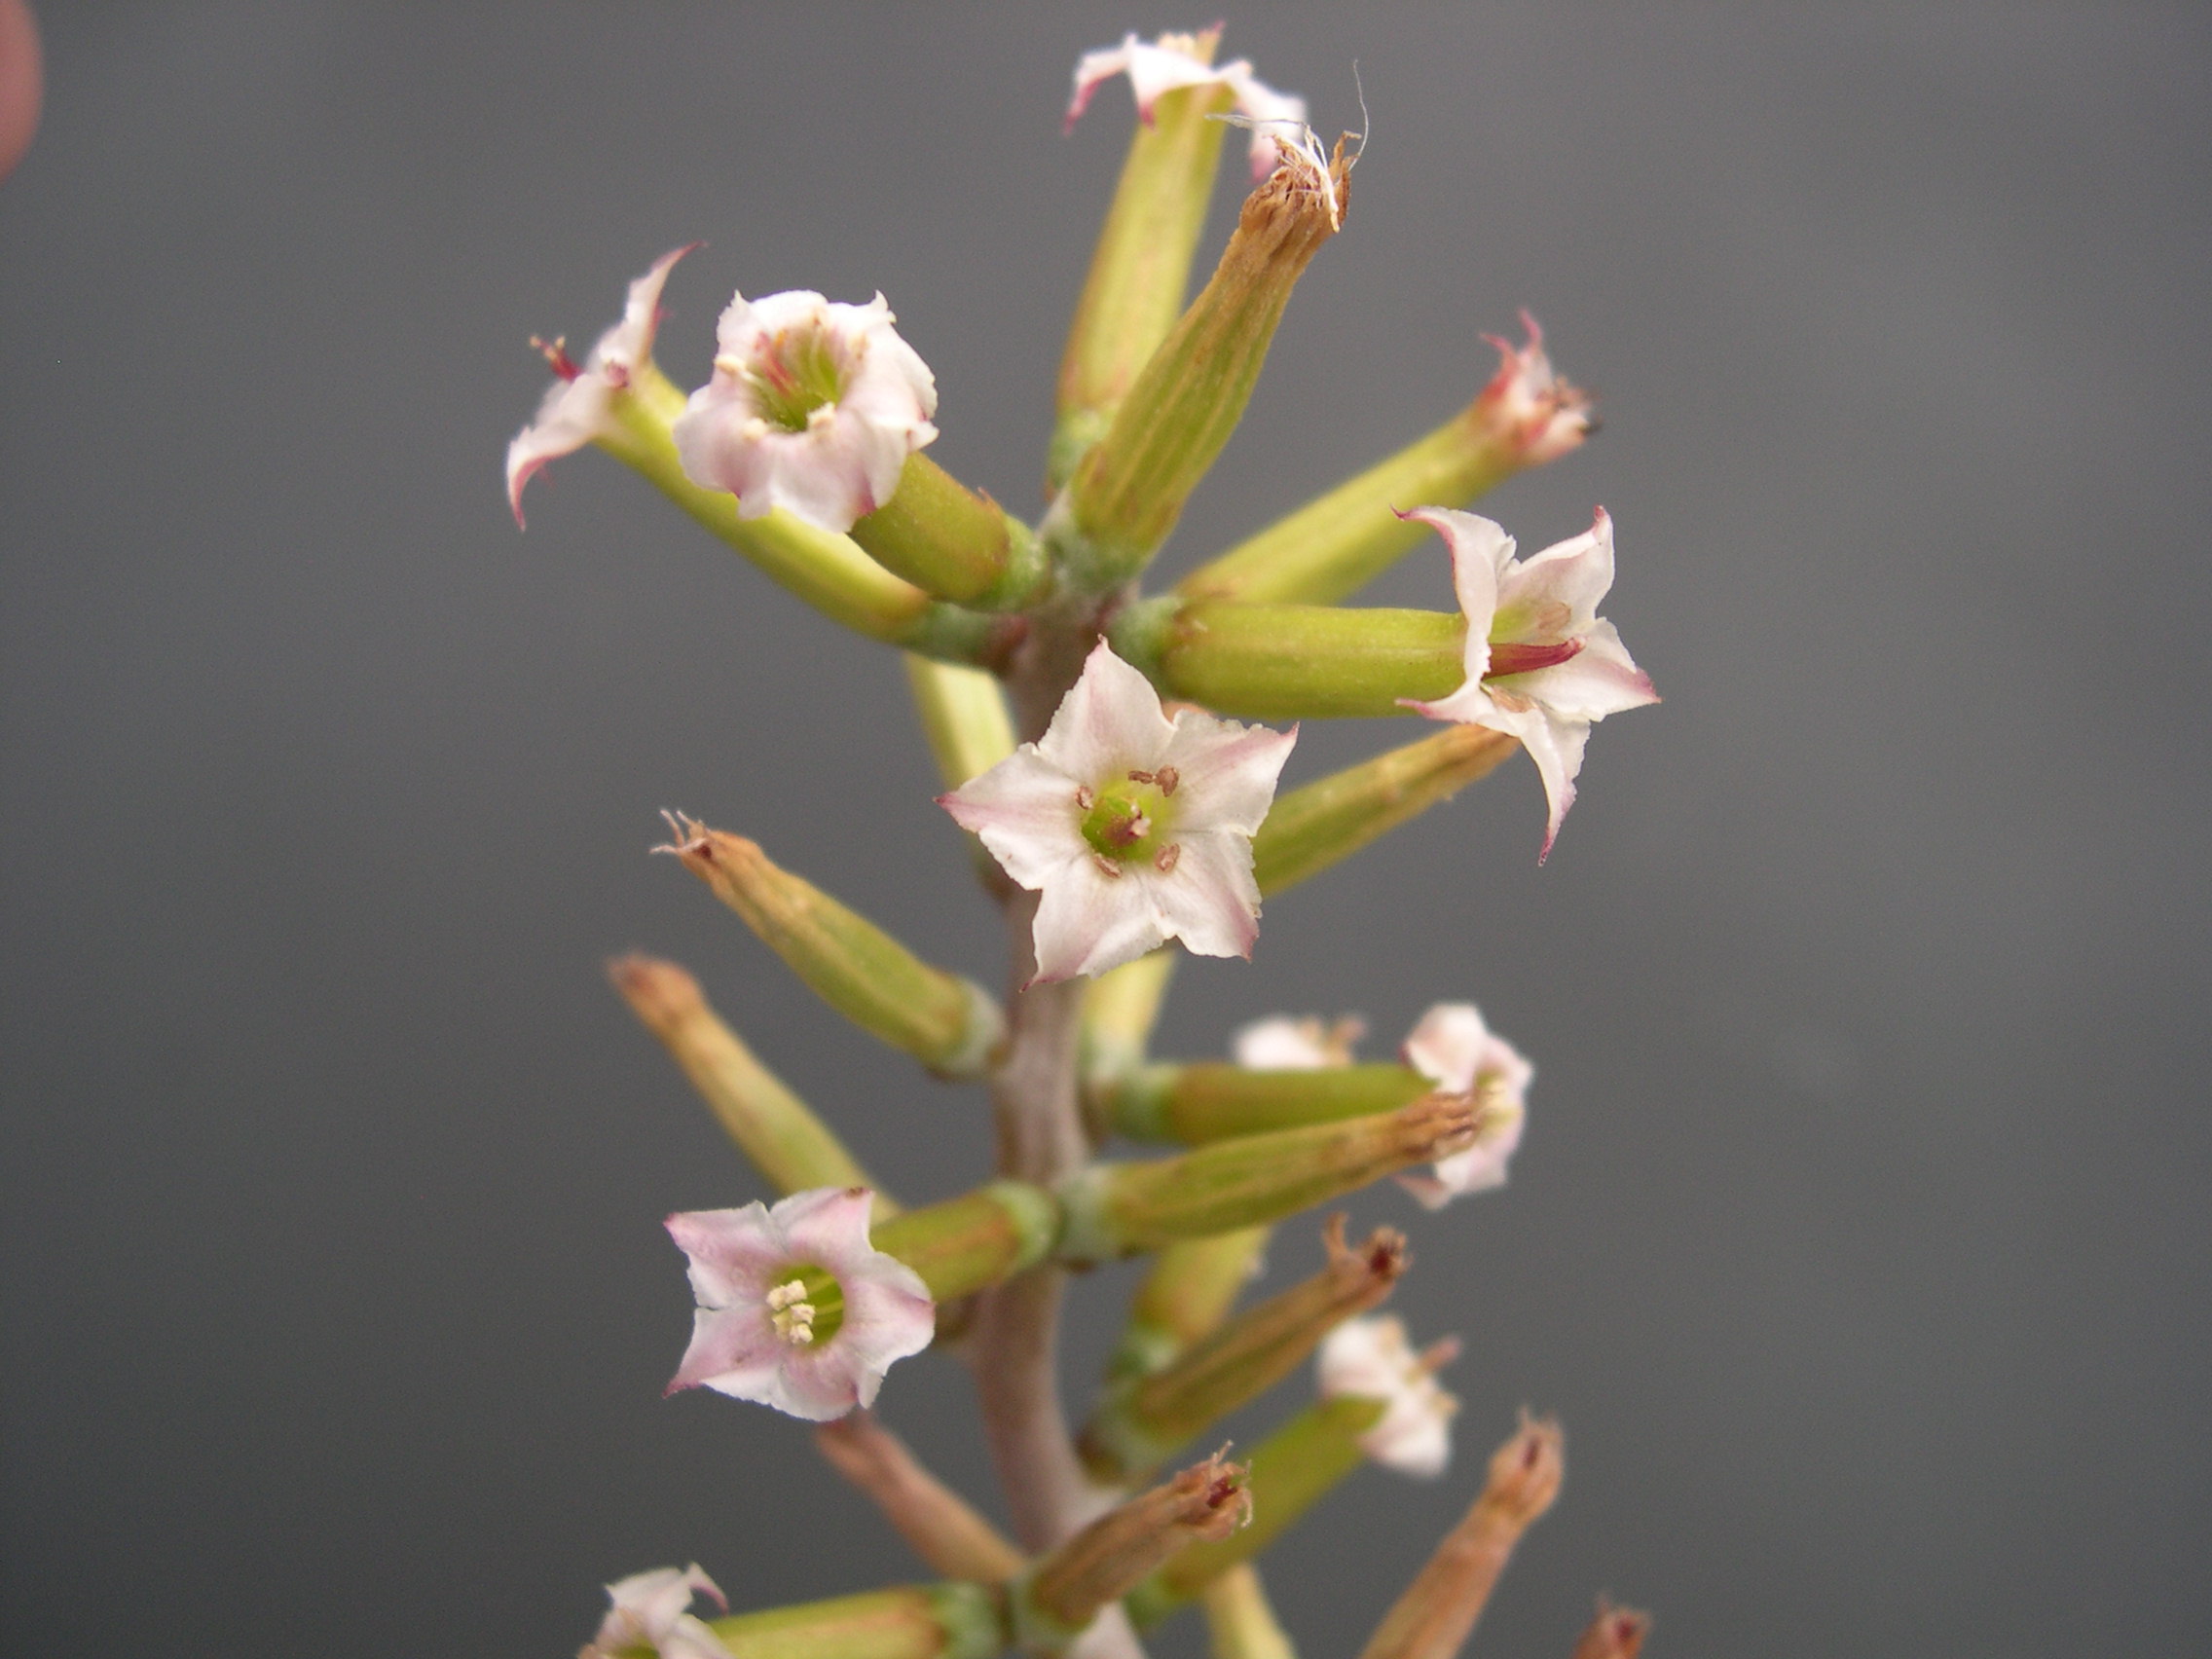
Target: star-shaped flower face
[[1136, 828], [1280, 1042], [1176, 60], [651, 1614], [1527, 408], [1456, 1051], [1371, 1358], [575, 410], [1542, 664], [796, 1308], [814, 407]]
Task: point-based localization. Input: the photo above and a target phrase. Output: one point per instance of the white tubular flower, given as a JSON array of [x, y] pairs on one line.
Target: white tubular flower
[[1371, 1358], [1456, 1051], [1280, 1042], [1542, 664], [814, 407], [652, 1613], [575, 409], [1528, 409], [1177, 61], [1136, 828], [796, 1308]]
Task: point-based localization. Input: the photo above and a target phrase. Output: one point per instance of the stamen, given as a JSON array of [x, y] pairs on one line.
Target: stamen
[[1167, 778], [792, 1314], [1106, 865], [1143, 777], [555, 352], [1084, 801], [1164, 860], [1526, 659]]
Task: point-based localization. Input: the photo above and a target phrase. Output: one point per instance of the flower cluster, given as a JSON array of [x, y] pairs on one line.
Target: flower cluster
[[1119, 759]]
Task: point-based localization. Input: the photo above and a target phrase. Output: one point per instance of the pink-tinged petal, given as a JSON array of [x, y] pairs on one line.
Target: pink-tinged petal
[[1598, 680], [730, 1252], [630, 342], [1273, 115], [1479, 1168], [1370, 1358], [571, 415], [733, 1350], [889, 1315], [828, 1226], [576, 411], [1447, 1045], [1154, 69], [1089, 921], [1226, 772], [1527, 408], [1479, 551], [1553, 595], [1279, 1043], [1556, 746], [1024, 811], [653, 1610], [1108, 724], [816, 1385], [1209, 899]]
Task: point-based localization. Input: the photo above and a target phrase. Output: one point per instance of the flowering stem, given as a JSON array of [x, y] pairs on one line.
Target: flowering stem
[[1339, 542], [1293, 662], [1040, 1139], [972, 1242]]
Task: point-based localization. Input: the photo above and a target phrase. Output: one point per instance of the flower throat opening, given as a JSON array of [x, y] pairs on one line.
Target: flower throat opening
[[799, 372]]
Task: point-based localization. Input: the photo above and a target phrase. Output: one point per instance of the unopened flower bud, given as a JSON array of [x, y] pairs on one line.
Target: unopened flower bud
[[953, 541], [915, 1621], [1117, 1209], [1102, 1563], [1130, 489], [950, 1024], [1339, 542], [1616, 1633], [1432, 1619], [791, 1147], [1319, 824], [1291, 1470], [1292, 661], [1240, 1622], [939, 1524], [1149, 1419]]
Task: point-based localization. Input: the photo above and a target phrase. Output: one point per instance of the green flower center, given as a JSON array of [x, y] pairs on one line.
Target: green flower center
[[805, 1305], [799, 371], [1129, 819]]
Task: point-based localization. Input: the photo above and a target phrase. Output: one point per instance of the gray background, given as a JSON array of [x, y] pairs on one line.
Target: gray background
[[1858, 1231]]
